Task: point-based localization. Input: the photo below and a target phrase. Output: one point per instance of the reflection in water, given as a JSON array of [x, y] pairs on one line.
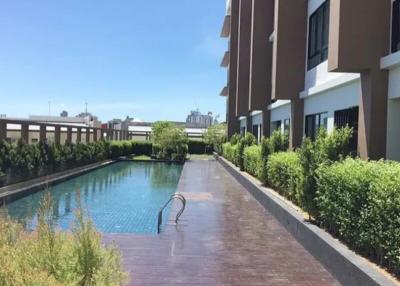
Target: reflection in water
[[122, 198]]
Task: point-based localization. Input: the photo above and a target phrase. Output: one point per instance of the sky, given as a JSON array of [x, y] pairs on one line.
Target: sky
[[153, 60]]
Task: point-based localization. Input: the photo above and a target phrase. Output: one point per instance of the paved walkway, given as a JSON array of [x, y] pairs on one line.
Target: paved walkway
[[225, 238]]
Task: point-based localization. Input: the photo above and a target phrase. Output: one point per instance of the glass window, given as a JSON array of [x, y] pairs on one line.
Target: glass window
[[286, 126], [318, 37], [314, 122], [396, 26], [276, 125], [348, 117]]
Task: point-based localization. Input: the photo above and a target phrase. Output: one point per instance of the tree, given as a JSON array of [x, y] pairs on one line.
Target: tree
[[169, 141], [216, 136]]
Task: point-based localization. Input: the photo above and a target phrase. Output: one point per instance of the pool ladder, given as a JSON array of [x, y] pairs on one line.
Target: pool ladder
[[160, 213]]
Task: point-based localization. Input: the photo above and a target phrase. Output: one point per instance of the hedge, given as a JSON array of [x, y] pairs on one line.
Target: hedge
[[359, 201], [285, 174], [126, 148], [23, 161], [229, 151], [252, 160], [198, 147]]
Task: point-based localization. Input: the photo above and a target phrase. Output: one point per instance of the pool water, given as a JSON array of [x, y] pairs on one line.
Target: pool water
[[124, 197]]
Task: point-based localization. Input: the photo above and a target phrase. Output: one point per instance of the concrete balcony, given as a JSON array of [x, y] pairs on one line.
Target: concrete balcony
[[224, 91], [225, 60]]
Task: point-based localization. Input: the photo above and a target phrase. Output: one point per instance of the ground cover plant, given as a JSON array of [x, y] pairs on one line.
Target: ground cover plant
[[51, 257]]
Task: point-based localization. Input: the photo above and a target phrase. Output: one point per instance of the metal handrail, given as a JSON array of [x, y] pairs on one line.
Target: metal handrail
[[174, 196]]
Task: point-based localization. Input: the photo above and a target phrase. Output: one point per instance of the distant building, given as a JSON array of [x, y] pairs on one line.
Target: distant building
[[119, 124], [64, 113], [83, 121], [197, 119], [143, 130]]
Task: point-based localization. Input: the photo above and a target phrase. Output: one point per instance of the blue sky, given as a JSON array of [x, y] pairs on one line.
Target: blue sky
[[148, 59]]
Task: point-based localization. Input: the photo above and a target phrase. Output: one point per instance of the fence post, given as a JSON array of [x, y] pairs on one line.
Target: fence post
[[78, 135], [69, 135], [57, 135], [42, 133], [3, 130], [25, 132], [87, 135], [95, 131]]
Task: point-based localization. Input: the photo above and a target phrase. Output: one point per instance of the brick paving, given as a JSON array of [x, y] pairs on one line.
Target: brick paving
[[225, 237]]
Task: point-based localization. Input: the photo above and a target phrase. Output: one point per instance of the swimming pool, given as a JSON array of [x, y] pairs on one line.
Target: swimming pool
[[124, 197]]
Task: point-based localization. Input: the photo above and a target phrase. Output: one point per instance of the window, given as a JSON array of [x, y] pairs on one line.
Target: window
[[348, 117], [318, 37], [276, 125], [243, 131], [286, 126], [314, 122], [396, 26], [257, 131]]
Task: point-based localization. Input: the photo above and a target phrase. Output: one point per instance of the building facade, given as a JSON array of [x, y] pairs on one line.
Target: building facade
[[196, 118], [300, 65]]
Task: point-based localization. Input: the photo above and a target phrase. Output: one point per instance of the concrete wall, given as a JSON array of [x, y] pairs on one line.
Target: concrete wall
[[280, 112], [341, 97], [393, 130]]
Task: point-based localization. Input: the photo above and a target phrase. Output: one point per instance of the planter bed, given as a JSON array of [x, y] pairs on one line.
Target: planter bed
[[348, 267]]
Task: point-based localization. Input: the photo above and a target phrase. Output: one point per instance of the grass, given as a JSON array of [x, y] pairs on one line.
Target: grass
[[142, 158]]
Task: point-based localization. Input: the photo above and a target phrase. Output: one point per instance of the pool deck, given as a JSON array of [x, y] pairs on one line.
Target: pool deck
[[225, 237]]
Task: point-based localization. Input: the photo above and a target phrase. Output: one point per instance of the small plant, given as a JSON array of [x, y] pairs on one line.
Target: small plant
[[50, 257]]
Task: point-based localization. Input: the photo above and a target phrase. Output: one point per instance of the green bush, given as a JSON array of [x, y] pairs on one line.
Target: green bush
[[285, 174], [197, 147], [278, 142], [229, 151], [244, 142], [142, 148], [235, 139], [326, 149], [252, 160], [359, 201]]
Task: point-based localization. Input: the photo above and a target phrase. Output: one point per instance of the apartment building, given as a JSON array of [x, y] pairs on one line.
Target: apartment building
[[300, 65]]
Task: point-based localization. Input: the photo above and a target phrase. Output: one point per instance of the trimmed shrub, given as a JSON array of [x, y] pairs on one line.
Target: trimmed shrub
[[244, 142], [235, 138], [197, 147], [229, 151], [278, 142], [285, 174], [141, 148], [252, 160], [326, 149], [359, 201]]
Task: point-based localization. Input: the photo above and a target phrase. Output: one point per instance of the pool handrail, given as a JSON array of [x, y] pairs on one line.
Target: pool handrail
[[174, 196]]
